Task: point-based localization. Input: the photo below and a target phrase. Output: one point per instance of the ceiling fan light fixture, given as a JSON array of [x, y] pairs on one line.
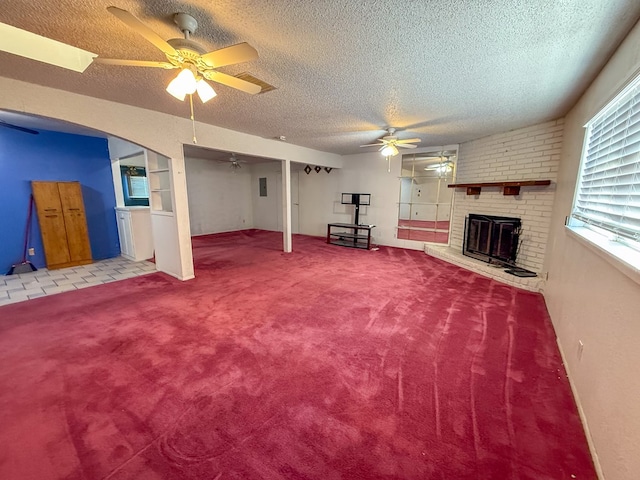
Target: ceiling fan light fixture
[[174, 91], [389, 150], [444, 168], [184, 84], [205, 91]]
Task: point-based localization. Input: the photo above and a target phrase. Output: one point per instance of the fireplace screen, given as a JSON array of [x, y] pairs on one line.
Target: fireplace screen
[[492, 239]]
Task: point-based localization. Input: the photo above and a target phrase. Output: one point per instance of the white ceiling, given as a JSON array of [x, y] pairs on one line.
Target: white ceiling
[[446, 71]]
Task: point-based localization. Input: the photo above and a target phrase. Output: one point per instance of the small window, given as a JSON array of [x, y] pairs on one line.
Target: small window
[[138, 187], [135, 186], [607, 200]]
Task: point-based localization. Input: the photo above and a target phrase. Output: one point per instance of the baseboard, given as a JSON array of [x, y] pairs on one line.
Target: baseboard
[[583, 418], [184, 279], [179, 277]]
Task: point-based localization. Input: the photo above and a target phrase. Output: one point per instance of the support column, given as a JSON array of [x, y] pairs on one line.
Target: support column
[[183, 226], [286, 206]]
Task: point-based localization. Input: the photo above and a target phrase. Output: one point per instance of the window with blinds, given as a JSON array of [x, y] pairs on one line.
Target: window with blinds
[[608, 191]]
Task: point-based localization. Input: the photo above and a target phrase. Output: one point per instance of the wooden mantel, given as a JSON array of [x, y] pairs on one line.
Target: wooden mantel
[[508, 188]]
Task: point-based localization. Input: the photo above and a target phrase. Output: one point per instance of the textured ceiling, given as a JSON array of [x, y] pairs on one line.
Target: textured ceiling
[[446, 71]]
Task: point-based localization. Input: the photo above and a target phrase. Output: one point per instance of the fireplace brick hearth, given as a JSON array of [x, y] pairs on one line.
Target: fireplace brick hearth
[[455, 256]]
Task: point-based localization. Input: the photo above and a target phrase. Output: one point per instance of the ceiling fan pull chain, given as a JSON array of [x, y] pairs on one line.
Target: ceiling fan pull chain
[[193, 121]]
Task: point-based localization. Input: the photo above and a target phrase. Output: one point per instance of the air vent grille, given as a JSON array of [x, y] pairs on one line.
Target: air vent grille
[[250, 78]]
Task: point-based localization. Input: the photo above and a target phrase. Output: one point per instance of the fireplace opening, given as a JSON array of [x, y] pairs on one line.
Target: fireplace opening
[[492, 239]]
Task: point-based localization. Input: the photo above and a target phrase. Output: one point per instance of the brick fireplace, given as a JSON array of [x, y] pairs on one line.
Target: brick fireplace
[[531, 153], [492, 239]]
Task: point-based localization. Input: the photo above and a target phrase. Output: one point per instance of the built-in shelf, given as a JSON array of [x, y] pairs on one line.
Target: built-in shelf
[[159, 176], [508, 188]]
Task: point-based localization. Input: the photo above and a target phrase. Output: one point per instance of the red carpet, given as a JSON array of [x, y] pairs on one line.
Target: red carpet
[[327, 363]]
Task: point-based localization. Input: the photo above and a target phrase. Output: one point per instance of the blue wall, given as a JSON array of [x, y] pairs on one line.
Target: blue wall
[[52, 156]]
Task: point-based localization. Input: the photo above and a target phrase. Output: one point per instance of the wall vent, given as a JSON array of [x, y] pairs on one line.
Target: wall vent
[[250, 78]]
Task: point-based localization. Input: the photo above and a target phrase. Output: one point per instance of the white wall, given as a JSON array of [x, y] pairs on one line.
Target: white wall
[[367, 173], [267, 211], [361, 173], [120, 148], [318, 193], [590, 300], [531, 153], [219, 197]]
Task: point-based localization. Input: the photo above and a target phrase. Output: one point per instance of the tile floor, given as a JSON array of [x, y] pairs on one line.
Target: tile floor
[[26, 286]]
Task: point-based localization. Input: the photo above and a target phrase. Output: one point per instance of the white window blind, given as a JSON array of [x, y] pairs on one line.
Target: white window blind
[[608, 193]]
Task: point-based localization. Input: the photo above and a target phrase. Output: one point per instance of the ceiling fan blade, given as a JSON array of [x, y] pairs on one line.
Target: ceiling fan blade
[[409, 140], [16, 127], [132, 22], [231, 81], [134, 63], [373, 145], [406, 145], [36, 47], [242, 52]]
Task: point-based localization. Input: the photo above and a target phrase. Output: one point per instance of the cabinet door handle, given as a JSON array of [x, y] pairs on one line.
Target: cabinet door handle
[[51, 216], [73, 209], [50, 209]]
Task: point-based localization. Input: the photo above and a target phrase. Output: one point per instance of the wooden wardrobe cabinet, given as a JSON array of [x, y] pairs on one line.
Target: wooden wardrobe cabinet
[[63, 223]]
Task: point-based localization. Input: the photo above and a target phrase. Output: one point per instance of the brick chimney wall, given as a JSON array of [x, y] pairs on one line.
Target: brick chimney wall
[[531, 153]]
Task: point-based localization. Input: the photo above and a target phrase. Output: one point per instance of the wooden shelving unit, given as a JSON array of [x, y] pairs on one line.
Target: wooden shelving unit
[[508, 188]]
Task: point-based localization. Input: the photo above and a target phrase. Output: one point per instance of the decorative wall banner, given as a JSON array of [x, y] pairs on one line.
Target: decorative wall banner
[[308, 169]]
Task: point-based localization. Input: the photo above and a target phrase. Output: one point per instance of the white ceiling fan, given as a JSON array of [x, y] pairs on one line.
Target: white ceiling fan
[[390, 143], [194, 62]]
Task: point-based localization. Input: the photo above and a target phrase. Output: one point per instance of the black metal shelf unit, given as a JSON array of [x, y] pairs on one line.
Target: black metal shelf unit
[[349, 235]]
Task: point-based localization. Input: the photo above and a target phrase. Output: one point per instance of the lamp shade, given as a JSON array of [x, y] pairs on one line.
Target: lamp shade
[[205, 92], [184, 84], [389, 150]]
